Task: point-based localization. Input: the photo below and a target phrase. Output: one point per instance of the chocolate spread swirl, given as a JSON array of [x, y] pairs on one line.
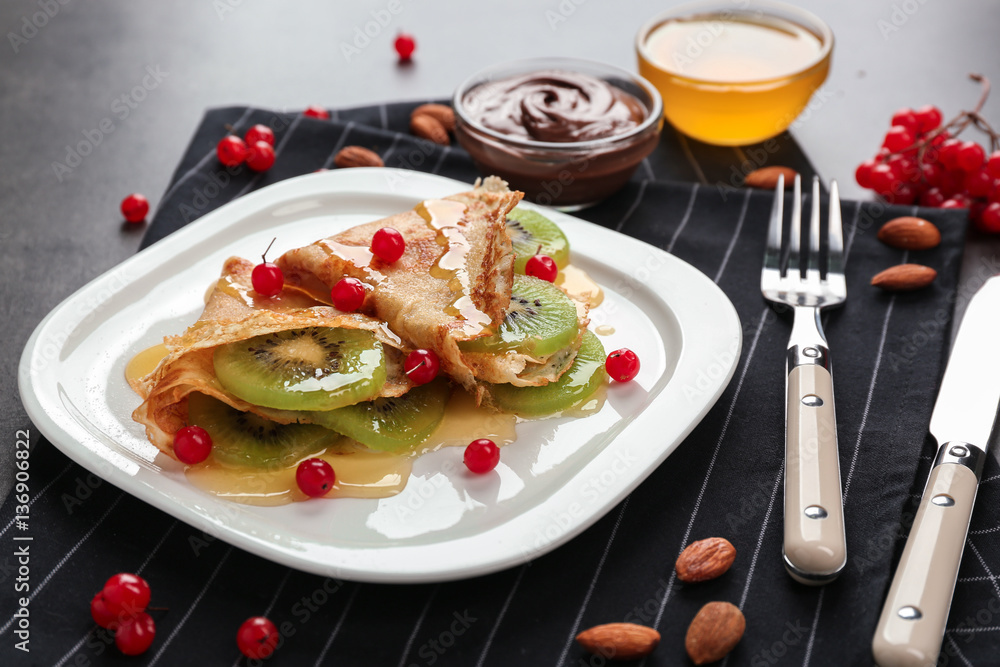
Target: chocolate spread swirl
[[554, 106]]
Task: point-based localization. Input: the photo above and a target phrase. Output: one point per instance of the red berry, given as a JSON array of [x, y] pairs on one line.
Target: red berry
[[622, 365], [388, 244], [232, 151], [135, 635], [949, 153], [970, 156], [929, 117], [348, 294], [421, 366], [259, 133], [267, 279], [135, 207], [906, 118], [898, 138], [101, 615], [315, 477], [953, 203], [978, 183], [993, 164], [863, 174], [482, 456], [405, 45], [192, 444], [261, 156], [125, 595], [316, 112], [995, 192], [989, 219], [542, 266], [257, 638], [902, 193], [932, 197], [883, 179], [933, 174], [952, 182], [905, 168]]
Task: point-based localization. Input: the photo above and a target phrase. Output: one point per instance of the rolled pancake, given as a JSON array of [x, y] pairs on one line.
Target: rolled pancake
[[233, 313], [453, 282]]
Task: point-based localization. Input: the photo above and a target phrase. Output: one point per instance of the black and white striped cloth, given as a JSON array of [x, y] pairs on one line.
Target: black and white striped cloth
[[724, 480]]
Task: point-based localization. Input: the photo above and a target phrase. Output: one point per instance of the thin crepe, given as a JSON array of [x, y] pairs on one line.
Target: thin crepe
[[233, 313]]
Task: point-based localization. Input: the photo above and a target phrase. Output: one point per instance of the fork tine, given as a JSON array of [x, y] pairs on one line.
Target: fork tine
[[772, 254], [795, 237], [813, 262], [835, 262]]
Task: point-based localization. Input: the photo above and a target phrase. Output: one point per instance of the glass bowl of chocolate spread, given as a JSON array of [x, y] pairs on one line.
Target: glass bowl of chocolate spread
[[567, 132]]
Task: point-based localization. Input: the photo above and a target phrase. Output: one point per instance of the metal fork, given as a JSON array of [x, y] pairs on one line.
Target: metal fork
[[815, 549]]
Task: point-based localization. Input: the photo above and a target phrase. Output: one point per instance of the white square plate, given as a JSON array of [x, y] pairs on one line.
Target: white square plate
[[558, 478]]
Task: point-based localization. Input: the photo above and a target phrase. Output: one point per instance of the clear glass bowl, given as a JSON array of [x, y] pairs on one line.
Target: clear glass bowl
[[568, 175]]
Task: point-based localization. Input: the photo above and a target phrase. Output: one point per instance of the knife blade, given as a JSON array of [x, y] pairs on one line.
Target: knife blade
[[911, 627]]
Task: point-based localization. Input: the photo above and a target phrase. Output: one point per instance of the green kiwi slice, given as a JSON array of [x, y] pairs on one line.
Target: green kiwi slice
[[245, 439], [318, 368], [540, 320], [390, 424], [530, 229], [576, 384]]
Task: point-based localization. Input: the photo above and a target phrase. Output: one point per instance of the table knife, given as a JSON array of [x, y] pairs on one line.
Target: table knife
[[911, 628]]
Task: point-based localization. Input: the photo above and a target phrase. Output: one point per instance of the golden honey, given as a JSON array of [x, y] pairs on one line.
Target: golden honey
[[733, 77]]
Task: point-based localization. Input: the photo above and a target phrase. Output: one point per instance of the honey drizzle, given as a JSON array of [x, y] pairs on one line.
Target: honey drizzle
[[448, 219], [580, 286], [359, 256]]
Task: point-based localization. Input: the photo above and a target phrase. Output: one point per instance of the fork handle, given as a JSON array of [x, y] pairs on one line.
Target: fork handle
[[815, 547]]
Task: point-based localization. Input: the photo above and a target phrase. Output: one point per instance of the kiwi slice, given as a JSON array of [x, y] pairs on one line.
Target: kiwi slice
[[540, 320], [390, 424], [530, 229], [245, 439], [580, 381], [318, 368]]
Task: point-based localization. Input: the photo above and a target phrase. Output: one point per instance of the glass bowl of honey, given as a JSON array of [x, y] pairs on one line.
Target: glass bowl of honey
[[734, 74]]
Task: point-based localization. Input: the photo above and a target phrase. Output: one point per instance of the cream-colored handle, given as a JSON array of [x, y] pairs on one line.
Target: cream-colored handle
[[815, 544], [911, 627]]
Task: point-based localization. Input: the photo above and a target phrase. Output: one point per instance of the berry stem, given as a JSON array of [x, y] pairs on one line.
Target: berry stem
[[263, 257]]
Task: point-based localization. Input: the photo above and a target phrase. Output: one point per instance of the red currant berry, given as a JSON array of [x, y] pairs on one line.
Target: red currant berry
[[902, 193], [348, 294], [989, 219], [135, 207], [482, 456], [261, 156], [316, 112], [135, 635], [929, 117], [949, 153], [863, 174], [405, 45], [267, 279], [421, 366], [125, 595], [259, 133], [898, 138], [388, 244], [883, 179], [101, 615], [970, 156], [905, 168], [994, 192], [953, 203], [542, 266], [993, 164], [232, 151], [978, 183], [933, 174], [315, 477], [933, 197], [192, 444], [257, 638], [622, 365], [906, 118]]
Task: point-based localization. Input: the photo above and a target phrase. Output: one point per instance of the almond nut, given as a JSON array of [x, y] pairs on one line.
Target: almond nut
[[910, 233], [767, 178], [428, 127], [904, 277], [705, 559], [716, 629], [619, 641], [356, 156], [439, 112]]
